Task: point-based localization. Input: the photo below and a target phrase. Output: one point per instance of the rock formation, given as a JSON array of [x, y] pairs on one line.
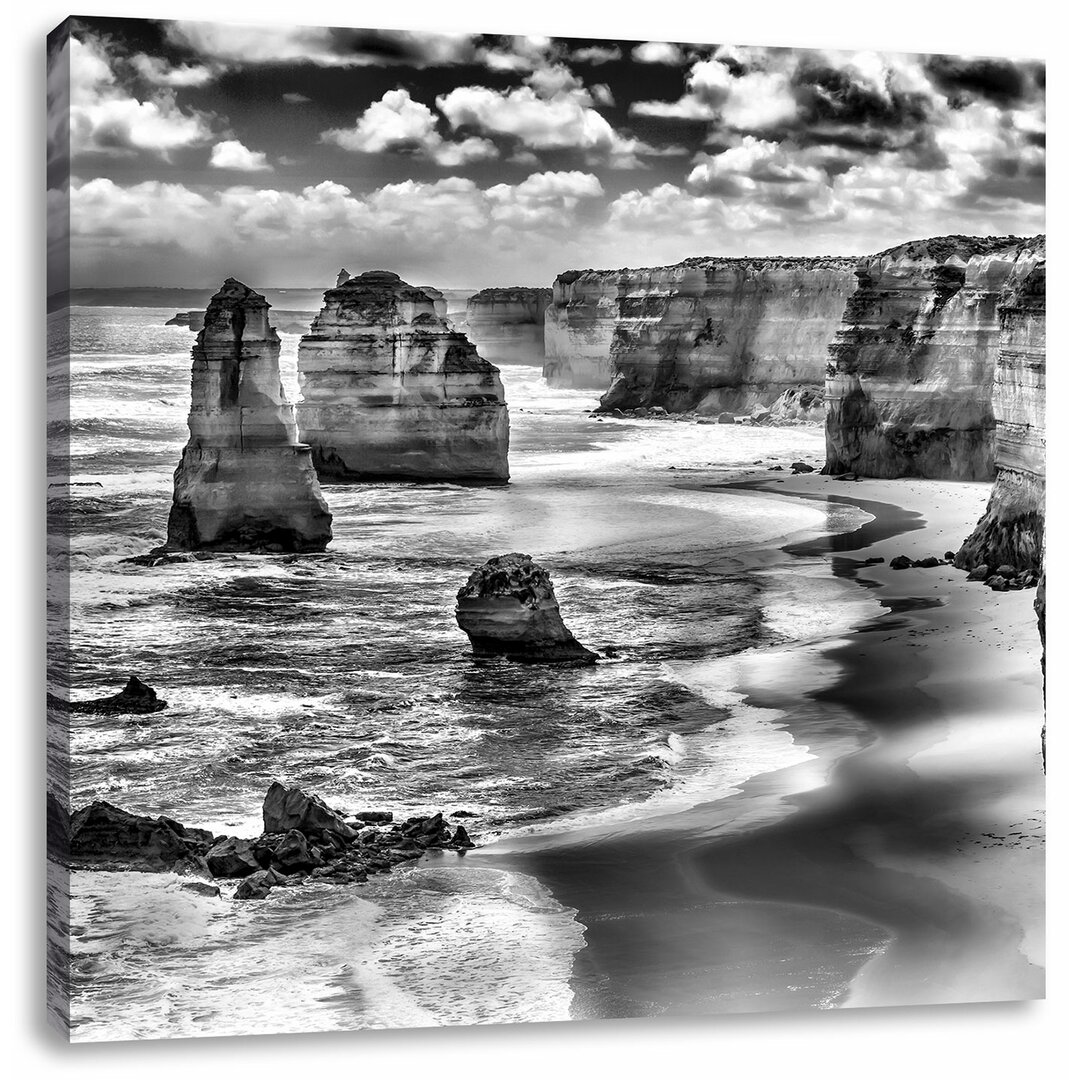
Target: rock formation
[[709, 334], [508, 608], [507, 325], [244, 482], [1011, 531], [320, 845], [911, 371], [136, 697], [391, 392]]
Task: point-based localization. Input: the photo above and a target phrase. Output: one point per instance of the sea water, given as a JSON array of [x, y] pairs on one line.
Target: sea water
[[345, 674]]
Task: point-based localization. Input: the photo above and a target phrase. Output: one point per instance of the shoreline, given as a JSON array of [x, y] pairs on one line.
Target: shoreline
[[879, 873]]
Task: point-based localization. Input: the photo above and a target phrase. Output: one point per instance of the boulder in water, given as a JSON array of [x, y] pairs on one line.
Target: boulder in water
[[136, 697], [508, 608], [105, 836], [285, 809]]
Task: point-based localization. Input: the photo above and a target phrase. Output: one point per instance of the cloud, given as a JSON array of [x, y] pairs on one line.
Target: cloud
[[597, 54], [452, 222], [233, 154], [658, 52], [999, 81], [754, 101], [518, 54], [159, 72], [564, 119], [105, 118], [291, 97], [396, 123], [321, 46]]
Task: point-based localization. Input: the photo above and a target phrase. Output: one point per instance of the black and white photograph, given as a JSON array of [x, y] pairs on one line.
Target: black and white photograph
[[540, 528]]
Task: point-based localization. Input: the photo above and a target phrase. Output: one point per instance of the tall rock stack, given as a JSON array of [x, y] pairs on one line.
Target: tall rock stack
[[507, 325], [1011, 531], [910, 375], [390, 392], [244, 482]]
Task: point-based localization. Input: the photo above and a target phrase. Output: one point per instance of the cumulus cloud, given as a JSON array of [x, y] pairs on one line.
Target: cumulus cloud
[[562, 119], [753, 101], [657, 52], [451, 221], [397, 123], [159, 72], [233, 154], [106, 118]]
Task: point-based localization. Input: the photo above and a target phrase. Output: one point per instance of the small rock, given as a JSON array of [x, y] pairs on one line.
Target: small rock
[[901, 562], [950, 555], [1007, 571], [927, 562], [776, 468], [874, 560], [461, 838], [258, 885], [374, 817], [980, 573], [232, 857], [293, 853], [997, 583], [801, 467], [846, 476], [200, 888], [726, 418]]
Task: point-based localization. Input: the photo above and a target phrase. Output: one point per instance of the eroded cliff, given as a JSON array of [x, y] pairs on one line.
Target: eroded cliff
[[507, 325], [709, 334], [1011, 531], [391, 392], [910, 374], [244, 482]]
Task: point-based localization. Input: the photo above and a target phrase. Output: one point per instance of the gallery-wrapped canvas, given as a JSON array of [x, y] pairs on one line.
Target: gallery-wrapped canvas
[[444, 631]]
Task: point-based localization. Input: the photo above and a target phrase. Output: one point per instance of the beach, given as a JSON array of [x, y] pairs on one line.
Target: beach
[[902, 864]]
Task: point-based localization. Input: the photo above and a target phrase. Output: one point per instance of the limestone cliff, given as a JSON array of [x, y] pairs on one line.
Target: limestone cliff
[[507, 325], [391, 392], [911, 371], [709, 334], [1011, 530], [244, 482]]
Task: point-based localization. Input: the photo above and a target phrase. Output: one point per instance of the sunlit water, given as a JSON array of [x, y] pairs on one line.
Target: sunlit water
[[346, 674]]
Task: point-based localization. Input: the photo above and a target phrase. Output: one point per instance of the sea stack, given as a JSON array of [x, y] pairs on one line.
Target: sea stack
[[244, 482], [390, 392], [911, 372], [507, 325], [508, 608], [1011, 531]]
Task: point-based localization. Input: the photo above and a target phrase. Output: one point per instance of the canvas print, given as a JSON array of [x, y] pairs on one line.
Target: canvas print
[[540, 529]]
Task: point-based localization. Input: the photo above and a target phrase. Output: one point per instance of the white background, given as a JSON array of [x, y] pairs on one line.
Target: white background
[[1025, 1040]]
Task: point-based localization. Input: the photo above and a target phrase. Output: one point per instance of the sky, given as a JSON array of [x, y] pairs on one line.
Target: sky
[[181, 153]]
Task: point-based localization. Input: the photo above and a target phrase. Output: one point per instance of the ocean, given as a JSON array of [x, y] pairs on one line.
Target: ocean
[[345, 674]]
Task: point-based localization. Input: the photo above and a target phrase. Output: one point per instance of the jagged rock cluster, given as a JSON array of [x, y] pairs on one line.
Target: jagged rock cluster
[[302, 839], [391, 392], [1011, 531], [508, 608], [710, 335], [135, 698], [507, 325], [244, 482], [910, 373]]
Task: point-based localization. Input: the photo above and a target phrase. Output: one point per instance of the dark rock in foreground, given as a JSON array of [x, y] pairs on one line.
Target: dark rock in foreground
[[508, 608], [136, 697], [107, 838], [307, 840]]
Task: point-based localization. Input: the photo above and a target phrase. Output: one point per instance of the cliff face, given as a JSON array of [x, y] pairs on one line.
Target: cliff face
[[244, 482], [712, 335], [390, 392], [910, 373], [507, 325], [1011, 530]]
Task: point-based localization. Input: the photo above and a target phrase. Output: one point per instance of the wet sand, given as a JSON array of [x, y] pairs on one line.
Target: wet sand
[[902, 865]]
